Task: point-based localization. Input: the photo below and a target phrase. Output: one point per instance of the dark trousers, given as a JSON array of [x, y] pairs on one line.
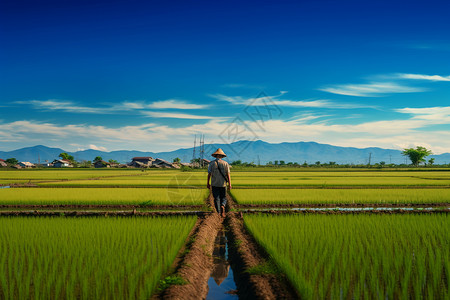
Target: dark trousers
[[220, 197]]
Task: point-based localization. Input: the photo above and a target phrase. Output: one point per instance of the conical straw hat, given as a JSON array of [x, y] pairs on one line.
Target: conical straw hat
[[219, 152]]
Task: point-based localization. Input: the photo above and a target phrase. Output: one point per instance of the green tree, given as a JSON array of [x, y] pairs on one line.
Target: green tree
[[416, 155], [113, 161], [98, 158], [431, 161], [12, 161], [66, 156], [85, 164], [176, 160], [236, 163]]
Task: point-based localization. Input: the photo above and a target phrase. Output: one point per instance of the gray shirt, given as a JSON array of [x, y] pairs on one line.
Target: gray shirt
[[216, 178]]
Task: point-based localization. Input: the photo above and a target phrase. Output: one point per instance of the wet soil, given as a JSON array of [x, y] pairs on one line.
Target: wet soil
[[346, 212], [105, 206], [72, 213], [197, 264], [355, 205]]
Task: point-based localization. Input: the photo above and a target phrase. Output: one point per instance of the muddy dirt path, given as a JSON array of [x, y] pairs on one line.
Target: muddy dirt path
[[196, 266]]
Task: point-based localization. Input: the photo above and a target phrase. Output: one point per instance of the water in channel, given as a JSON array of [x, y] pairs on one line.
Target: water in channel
[[221, 283]]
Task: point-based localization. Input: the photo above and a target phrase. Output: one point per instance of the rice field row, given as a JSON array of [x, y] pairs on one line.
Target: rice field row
[[87, 258], [239, 181], [359, 256], [101, 196], [340, 196], [162, 178], [60, 174]]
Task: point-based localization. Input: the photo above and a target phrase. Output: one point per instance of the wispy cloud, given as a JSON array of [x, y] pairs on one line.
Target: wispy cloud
[[126, 106], [383, 133], [99, 148], [175, 104], [273, 100], [67, 106], [424, 77], [241, 86], [372, 89], [439, 115], [154, 114]]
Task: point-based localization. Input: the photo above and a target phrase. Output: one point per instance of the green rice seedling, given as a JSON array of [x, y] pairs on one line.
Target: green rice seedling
[[87, 258], [359, 256], [167, 179], [340, 196], [103, 196], [59, 174]]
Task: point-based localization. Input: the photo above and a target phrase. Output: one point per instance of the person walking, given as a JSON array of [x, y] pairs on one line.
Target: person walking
[[219, 174]]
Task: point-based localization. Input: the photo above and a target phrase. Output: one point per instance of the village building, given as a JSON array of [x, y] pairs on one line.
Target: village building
[[26, 164], [62, 163], [3, 163], [102, 164], [141, 162], [150, 162], [161, 163]]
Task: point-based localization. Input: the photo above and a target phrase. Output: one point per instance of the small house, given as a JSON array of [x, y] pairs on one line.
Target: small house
[[26, 164], [102, 164], [3, 163], [161, 163], [141, 162], [62, 163]]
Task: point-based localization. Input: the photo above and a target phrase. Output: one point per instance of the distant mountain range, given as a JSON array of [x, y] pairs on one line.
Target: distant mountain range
[[246, 151]]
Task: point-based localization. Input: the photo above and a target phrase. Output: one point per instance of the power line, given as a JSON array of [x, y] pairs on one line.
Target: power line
[[193, 153]]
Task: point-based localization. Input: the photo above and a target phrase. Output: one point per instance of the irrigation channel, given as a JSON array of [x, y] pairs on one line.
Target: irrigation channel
[[221, 283]]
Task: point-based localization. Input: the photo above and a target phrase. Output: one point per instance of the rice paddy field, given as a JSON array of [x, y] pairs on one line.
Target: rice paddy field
[[322, 255], [103, 196], [359, 256], [164, 178], [340, 196], [87, 258]]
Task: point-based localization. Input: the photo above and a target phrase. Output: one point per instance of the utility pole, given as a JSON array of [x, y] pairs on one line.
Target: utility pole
[[370, 157], [390, 159], [202, 149], [259, 161], [193, 154]]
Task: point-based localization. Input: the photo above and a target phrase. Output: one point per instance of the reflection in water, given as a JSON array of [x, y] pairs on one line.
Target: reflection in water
[[221, 283], [221, 265]]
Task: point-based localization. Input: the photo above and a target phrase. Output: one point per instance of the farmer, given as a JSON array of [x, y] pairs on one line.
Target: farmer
[[219, 173]]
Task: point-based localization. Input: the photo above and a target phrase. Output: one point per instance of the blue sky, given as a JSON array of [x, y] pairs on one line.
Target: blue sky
[[149, 75]]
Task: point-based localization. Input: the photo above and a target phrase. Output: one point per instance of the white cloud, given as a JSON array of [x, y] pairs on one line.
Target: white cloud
[[424, 77], [434, 115], [273, 100], [72, 107], [67, 106], [99, 148], [372, 89], [242, 85], [175, 104], [153, 137], [175, 115]]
